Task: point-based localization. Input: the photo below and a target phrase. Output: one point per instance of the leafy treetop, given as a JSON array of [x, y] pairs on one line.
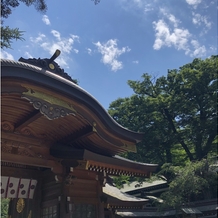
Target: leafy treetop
[[177, 112]]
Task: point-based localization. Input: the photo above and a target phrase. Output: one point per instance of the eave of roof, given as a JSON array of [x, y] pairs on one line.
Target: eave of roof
[[48, 79], [145, 213], [95, 162], [134, 188], [208, 206], [119, 195], [117, 199], [190, 210]]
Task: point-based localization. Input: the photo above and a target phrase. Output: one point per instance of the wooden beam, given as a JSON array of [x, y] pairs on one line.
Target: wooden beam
[[31, 161], [20, 172], [28, 140], [77, 200], [27, 120], [78, 135]]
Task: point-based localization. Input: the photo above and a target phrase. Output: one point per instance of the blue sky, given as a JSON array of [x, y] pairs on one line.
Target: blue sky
[[105, 45]]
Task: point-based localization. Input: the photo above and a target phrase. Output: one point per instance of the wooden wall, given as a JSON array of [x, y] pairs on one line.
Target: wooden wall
[[75, 195]]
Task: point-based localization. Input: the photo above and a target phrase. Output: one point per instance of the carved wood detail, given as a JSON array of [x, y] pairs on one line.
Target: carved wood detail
[[13, 147], [56, 167], [5, 149], [9, 164], [48, 105], [51, 111], [17, 139], [7, 126], [29, 132]]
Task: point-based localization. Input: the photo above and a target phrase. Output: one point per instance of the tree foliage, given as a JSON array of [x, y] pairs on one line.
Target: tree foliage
[[177, 112], [8, 5], [4, 207], [8, 34], [193, 182]]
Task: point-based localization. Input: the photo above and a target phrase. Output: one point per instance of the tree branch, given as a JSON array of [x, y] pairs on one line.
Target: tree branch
[[209, 142], [180, 140]]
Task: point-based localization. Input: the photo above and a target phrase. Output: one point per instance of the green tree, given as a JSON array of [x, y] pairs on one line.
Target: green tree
[[177, 112], [8, 5], [4, 207], [197, 180], [8, 34]]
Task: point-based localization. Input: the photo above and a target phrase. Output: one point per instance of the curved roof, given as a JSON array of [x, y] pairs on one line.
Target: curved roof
[[82, 122], [117, 199]]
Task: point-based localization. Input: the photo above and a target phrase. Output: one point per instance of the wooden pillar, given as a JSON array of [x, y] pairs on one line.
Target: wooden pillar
[[62, 198], [100, 202], [63, 205], [37, 199]]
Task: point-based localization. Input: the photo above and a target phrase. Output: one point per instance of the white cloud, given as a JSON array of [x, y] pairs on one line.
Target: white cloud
[[173, 19], [170, 34], [46, 20], [199, 20], [56, 34], [76, 51], [110, 52], [148, 7], [6, 55], [65, 45], [89, 50], [176, 37], [170, 17], [145, 6], [194, 3], [213, 49], [38, 39], [198, 51]]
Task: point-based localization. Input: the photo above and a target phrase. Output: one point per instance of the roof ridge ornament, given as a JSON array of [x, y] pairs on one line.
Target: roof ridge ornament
[[49, 64]]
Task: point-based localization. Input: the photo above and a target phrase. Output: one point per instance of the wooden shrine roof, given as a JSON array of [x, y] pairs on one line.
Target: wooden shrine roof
[[134, 188], [40, 108], [208, 208], [117, 199], [88, 160]]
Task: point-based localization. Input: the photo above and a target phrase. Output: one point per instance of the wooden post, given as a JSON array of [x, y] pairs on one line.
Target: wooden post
[[100, 203]]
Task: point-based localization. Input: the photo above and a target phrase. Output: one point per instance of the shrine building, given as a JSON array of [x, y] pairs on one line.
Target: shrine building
[[59, 145]]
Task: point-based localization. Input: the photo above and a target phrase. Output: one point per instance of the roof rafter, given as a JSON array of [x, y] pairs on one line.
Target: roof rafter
[[78, 135], [27, 120]]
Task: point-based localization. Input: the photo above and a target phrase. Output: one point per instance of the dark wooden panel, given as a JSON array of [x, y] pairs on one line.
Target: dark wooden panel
[[28, 139], [31, 161], [20, 173]]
